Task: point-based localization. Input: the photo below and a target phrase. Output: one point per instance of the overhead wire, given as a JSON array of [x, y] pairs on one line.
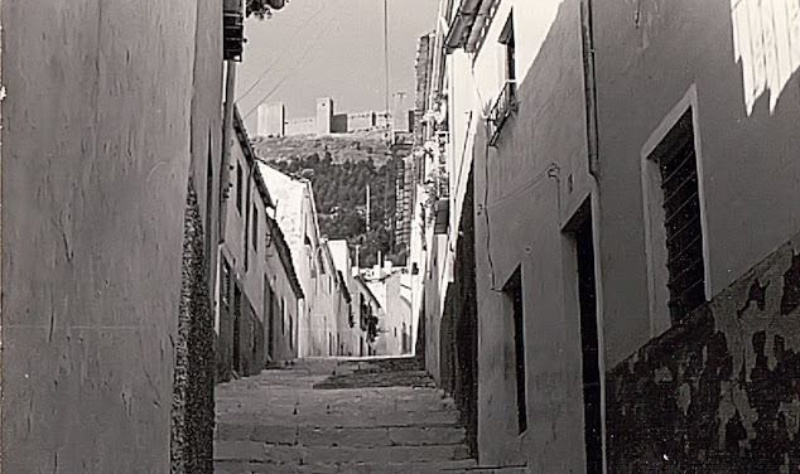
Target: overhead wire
[[386, 50], [270, 66], [299, 62]]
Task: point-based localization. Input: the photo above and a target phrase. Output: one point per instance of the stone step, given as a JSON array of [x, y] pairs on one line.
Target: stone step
[[354, 468], [355, 418], [252, 451], [351, 437], [496, 470]]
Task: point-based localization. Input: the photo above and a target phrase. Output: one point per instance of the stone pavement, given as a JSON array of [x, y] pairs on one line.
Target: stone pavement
[[340, 416]]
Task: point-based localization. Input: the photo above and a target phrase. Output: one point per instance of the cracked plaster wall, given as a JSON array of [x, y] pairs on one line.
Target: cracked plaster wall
[[95, 151]]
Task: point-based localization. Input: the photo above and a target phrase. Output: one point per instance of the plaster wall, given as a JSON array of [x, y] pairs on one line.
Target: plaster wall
[[717, 394], [324, 314], [526, 188], [396, 316], [285, 326], [294, 213], [741, 61], [93, 213], [434, 288]]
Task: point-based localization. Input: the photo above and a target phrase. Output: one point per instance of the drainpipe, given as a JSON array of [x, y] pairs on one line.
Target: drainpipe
[[590, 85], [227, 129]]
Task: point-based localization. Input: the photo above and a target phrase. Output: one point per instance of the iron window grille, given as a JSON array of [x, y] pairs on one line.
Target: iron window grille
[[504, 106], [677, 162]]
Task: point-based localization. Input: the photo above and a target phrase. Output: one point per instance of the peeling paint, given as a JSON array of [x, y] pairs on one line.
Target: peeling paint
[[731, 402]]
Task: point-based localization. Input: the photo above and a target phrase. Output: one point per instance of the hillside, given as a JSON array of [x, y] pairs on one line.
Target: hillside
[[340, 168], [341, 147]]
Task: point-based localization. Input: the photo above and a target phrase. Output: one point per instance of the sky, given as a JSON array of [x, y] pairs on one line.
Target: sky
[[330, 48]]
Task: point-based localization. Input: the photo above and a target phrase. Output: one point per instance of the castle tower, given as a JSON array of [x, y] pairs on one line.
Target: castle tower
[[324, 116], [399, 113], [271, 120]]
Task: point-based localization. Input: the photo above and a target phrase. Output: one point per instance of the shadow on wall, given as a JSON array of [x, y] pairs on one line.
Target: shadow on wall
[[720, 393], [458, 336]]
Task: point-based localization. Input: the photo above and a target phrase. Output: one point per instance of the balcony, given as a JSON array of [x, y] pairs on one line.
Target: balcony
[[233, 37], [504, 106]]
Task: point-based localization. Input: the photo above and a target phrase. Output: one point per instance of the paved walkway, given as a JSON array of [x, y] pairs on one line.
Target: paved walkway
[[328, 416]]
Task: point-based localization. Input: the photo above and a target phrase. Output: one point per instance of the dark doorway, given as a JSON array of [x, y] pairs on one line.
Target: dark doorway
[[237, 322], [269, 298], [513, 291], [587, 296]]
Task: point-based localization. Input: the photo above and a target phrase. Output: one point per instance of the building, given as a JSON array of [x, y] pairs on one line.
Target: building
[[405, 186], [368, 313], [395, 323], [349, 332], [259, 295], [272, 121], [106, 216], [710, 231], [618, 270], [325, 297]]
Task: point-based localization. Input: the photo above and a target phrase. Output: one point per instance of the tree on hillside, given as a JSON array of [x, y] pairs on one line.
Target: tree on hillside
[[263, 8]]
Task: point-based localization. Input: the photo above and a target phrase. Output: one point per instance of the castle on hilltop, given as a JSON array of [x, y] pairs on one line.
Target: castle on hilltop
[[272, 121]]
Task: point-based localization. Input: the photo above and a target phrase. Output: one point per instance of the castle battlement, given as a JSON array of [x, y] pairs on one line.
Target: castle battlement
[[272, 121]]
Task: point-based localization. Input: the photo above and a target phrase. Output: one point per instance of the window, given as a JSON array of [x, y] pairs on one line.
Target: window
[[283, 316], [255, 227], [506, 102], [239, 187], [677, 164], [291, 333], [225, 284], [513, 292], [510, 53]]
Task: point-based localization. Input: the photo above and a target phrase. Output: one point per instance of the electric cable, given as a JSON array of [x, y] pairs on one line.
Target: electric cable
[[299, 62], [270, 66]]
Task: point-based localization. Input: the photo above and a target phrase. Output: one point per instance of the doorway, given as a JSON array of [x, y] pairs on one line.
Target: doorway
[[237, 318], [582, 233], [269, 314]]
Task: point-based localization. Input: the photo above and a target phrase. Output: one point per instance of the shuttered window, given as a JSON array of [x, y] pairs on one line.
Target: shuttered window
[[677, 163]]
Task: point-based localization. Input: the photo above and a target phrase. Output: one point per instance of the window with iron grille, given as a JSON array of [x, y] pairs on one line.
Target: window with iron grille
[[677, 162], [506, 102]]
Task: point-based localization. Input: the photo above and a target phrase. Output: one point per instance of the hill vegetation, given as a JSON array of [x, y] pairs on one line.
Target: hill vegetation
[[340, 169]]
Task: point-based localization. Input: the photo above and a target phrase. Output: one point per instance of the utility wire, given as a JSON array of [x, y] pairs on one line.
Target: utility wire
[[292, 71], [386, 52], [270, 66]]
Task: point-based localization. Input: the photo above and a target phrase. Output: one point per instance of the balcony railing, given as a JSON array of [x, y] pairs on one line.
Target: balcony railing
[[505, 105], [233, 27]]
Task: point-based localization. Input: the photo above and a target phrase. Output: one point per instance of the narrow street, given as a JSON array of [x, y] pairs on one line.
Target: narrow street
[[373, 416]]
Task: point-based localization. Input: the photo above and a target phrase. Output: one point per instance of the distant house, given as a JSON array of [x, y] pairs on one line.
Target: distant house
[[325, 297], [259, 297]]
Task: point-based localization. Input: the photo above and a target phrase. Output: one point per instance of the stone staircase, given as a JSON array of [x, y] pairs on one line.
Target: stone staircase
[[341, 416]]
